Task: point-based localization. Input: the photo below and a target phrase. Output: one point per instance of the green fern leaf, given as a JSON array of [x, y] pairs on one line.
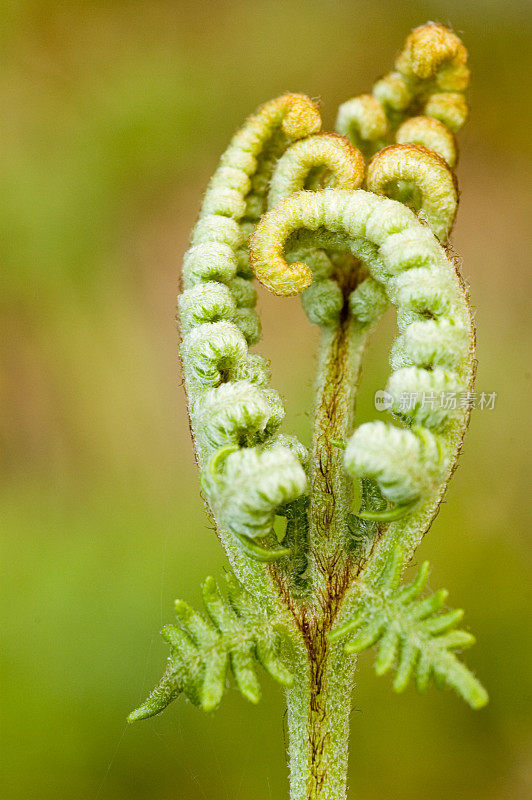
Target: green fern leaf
[[234, 634], [412, 634]]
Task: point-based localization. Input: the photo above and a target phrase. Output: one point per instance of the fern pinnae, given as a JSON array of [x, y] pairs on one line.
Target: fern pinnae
[[411, 633], [234, 634]]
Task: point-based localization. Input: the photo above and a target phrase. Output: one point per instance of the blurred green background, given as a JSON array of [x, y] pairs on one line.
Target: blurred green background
[[113, 117]]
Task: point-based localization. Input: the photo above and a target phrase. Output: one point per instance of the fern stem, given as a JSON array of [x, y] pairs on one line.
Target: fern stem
[[340, 358], [319, 705], [319, 702]]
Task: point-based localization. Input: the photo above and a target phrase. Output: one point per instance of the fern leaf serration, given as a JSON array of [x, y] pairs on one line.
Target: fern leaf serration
[[411, 633], [234, 634]]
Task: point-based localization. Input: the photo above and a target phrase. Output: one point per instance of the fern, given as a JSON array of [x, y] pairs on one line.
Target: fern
[[411, 632], [234, 633], [303, 213]]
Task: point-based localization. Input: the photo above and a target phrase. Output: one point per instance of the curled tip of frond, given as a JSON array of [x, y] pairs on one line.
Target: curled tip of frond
[[267, 259], [403, 167], [325, 150], [248, 486], [434, 51], [429, 133], [363, 121], [429, 77], [403, 463], [301, 115]]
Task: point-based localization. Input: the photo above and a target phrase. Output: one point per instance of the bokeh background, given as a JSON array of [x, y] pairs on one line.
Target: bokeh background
[[113, 117]]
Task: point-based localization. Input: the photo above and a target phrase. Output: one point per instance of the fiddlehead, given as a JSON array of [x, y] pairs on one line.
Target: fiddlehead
[[428, 81], [344, 169], [230, 403], [430, 73], [420, 105], [287, 199], [247, 486], [326, 150], [404, 169], [432, 355]]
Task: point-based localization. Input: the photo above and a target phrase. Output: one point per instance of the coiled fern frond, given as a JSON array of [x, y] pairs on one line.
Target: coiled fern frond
[[411, 633], [352, 222], [233, 635], [433, 352], [407, 126]]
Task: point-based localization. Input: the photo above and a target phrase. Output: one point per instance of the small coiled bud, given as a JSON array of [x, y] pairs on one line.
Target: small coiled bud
[[217, 228], [363, 121], [368, 301], [210, 261], [238, 413], [429, 133], [420, 396], [408, 249], [393, 92], [430, 343], [212, 351], [434, 52], [253, 368], [402, 463], [252, 485], [323, 302], [430, 174], [327, 150], [205, 302], [421, 293]]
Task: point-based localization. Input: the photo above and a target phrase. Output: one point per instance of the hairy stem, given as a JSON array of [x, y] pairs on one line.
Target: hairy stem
[[318, 723], [319, 704], [339, 366]]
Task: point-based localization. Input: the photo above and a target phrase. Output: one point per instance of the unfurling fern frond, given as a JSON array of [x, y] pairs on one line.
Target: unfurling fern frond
[[411, 633], [235, 633], [286, 206]]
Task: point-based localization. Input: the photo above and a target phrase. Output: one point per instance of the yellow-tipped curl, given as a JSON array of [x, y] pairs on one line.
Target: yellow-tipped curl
[[267, 257], [433, 51], [328, 150], [296, 113], [430, 133], [427, 171], [429, 78]]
